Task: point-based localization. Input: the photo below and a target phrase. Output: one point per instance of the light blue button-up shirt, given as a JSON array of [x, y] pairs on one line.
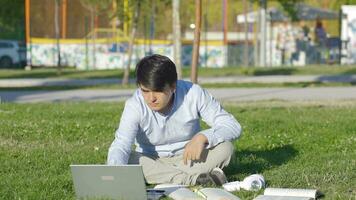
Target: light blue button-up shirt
[[161, 135]]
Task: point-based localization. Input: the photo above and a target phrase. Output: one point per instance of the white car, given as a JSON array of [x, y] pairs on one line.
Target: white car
[[12, 53]]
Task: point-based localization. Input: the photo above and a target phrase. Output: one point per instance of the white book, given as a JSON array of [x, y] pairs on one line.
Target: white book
[[168, 188], [216, 194], [181, 192], [184, 194], [288, 194], [178, 192]]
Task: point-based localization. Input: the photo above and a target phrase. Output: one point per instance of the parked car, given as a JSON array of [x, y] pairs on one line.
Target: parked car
[[12, 53]]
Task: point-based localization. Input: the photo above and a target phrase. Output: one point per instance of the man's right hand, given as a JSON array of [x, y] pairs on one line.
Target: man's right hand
[[194, 148]]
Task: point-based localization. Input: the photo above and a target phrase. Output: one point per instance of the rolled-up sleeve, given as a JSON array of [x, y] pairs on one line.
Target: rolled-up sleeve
[[125, 135], [223, 125]]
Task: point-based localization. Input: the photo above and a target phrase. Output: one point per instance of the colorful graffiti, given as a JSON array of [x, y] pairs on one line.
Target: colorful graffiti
[[113, 56]]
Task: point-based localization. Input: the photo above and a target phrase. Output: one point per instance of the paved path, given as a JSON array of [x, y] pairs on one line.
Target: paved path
[[223, 94], [35, 82]]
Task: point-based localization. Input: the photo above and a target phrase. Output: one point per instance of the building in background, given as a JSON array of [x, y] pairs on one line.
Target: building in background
[[348, 34]]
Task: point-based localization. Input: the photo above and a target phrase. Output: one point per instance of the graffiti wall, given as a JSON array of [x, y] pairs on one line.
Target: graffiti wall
[[112, 56]]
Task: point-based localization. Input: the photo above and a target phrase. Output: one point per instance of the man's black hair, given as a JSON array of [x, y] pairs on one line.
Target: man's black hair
[[155, 72]]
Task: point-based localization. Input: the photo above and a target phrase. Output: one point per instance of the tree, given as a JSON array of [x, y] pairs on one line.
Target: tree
[[195, 56], [95, 7], [177, 38], [246, 57], [289, 7], [12, 15], [56, 28], [125, 79]]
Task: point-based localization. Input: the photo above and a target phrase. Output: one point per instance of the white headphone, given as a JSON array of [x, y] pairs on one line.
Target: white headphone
[[254, 182]]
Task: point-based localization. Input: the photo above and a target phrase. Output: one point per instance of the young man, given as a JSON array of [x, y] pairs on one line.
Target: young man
[[162, 120]]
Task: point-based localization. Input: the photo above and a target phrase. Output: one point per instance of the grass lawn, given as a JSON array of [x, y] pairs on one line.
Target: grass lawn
[[207, 72], [295, 146], [207, 85]]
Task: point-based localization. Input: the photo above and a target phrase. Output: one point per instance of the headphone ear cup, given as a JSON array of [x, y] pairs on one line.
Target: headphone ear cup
[[254, 182]]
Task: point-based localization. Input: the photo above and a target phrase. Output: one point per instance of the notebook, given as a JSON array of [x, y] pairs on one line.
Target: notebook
[[109, 182]]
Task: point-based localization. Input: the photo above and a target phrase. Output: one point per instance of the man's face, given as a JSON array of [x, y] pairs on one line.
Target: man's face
[[158, 101]]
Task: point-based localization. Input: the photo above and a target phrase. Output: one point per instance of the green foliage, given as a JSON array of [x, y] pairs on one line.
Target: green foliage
[[12, 17], [296, 146], [350, 2], [97, 5], [289, 7]]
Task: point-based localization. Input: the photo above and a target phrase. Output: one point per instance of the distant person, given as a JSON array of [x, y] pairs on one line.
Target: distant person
[[320, 34], [320, 40], [162, 119], [305, 30], [286, 42]]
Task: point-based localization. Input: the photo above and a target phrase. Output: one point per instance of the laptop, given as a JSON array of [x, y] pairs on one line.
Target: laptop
[[109, 182]]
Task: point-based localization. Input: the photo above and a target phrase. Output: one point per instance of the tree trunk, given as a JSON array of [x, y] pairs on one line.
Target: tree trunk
[[152, 25], [93, 37], [263, 7], [177, 46], [125, 79], [224, 18], [246, 57], [56, 28], [195, 56]]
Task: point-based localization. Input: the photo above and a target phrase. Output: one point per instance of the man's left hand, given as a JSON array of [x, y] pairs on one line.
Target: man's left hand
[[194, 148]]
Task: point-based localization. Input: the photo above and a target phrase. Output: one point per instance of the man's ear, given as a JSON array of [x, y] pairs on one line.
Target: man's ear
[[174, 87]]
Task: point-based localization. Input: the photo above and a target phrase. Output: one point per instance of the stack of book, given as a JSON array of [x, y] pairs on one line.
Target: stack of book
[[181, 192]]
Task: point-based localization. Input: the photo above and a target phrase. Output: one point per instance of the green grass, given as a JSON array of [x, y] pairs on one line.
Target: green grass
[[71, 87], [258, 71], [207, 85], [295, 146], [208, 72], [271, 85], [70, 73]]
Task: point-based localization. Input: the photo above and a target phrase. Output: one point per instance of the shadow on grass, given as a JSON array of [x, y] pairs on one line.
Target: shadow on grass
[[350, 71], [276, 71], [251, 162], [337, 79], [65, 73], [40, 73], [61, 95]]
